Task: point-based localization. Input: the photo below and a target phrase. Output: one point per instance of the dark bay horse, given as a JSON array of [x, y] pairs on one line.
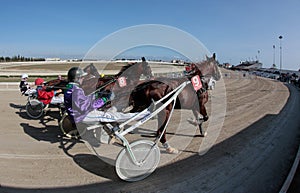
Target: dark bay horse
[[121, 84], [143, 94], [56, 84]]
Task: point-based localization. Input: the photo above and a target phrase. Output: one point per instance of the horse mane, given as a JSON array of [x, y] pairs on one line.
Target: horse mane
[[124, 68]]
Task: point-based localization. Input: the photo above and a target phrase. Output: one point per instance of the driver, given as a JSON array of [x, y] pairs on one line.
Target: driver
[[82, 108], [24, 86], [45, 96]]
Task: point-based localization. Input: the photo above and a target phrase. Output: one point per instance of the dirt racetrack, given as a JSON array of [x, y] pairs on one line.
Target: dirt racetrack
[[253, 152]]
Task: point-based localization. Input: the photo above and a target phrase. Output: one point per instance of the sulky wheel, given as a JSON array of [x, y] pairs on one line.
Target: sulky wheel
[[68, 127], [146, 153], [34, 108]]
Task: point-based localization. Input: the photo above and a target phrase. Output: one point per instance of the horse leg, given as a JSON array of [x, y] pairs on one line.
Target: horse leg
[[203, 98], [161, 124], [163, 117], [198, 122]]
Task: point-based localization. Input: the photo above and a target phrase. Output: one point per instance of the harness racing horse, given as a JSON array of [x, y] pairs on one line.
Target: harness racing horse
[[56, 84], [120, 84], [144, 94]]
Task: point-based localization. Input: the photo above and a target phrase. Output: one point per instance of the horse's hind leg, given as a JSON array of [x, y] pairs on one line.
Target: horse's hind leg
[[203, 100], [163, 117]]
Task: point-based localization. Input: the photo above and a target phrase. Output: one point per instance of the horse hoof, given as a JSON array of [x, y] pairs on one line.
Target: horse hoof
[[192, 121], [171, 150], [127, 109], [205, 118], [112, 140]]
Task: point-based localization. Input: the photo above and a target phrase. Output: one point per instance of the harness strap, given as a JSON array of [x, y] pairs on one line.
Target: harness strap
[[203, 89]]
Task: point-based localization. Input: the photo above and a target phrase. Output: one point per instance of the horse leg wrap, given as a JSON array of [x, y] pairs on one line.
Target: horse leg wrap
[[201, 130], [166, 145], [205, 118], [152, 106]]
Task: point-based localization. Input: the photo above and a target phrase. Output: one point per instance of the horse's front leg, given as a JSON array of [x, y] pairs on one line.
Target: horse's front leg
[[198, 122]]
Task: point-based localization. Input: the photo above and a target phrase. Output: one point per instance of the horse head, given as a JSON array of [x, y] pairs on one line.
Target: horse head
[[209, 68]]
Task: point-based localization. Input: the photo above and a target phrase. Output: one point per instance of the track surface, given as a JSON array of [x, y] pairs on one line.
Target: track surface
[[253, 153]]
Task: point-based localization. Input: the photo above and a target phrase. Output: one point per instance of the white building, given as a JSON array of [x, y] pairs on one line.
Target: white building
[[52, 59]]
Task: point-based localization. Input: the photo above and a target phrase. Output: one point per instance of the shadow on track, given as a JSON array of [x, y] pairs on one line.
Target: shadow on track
[[50, 134]]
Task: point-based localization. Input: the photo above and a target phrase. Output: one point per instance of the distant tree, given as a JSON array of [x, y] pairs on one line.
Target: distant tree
[[19, 58]]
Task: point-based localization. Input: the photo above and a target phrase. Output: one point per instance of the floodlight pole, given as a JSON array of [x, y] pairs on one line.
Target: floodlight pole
[[280, 37], [274, 56]]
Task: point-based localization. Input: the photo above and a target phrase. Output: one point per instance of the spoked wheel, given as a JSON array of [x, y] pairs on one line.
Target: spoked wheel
[[147, 154], [69, 128], [34, 108]]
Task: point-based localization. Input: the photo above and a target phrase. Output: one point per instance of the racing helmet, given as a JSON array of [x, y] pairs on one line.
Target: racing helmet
[[39, 81], [74, 73], [24, 76]]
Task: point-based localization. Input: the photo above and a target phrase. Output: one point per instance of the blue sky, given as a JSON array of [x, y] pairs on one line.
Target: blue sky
[[234, 29]]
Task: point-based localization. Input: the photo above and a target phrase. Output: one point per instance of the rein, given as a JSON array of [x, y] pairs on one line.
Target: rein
[[55, 87], [104, 85]]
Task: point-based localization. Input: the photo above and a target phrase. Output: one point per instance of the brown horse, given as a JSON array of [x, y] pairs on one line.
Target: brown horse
[[56, 84], [143, 94], [120, 84]]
